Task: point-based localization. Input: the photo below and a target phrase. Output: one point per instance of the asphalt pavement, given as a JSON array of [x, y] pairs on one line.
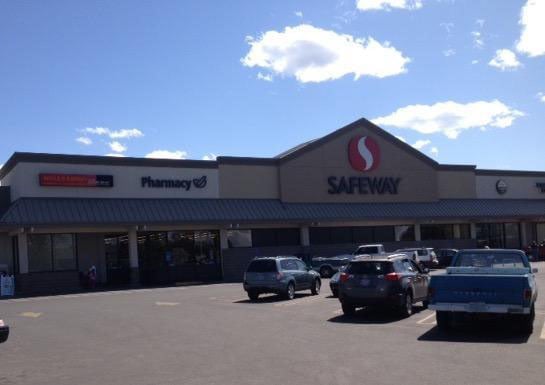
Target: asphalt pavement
[[212, 334]]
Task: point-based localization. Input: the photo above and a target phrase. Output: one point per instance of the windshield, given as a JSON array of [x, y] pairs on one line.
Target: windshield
[[369, 267], [262, 266], [498, 260]]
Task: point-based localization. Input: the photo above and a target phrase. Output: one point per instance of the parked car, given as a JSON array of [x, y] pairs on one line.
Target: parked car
[[4, 331], [334, 282], [372, 250], [393, 281], [329, 266], [426, 255], [280, 275], [485, 281], [444, 256]]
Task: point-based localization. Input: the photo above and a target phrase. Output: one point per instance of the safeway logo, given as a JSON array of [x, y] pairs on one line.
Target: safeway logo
[[363, 153]]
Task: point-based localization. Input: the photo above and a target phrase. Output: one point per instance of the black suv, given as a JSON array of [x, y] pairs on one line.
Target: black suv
[[395, 281]]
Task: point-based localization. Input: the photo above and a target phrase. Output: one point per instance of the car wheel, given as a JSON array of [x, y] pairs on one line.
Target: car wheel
[[315, 290], [425, 304], [406, 308], [527, 324], [443, 320], [348, 309], [326, 272], [335, 293], [253, 295], [290, 291]]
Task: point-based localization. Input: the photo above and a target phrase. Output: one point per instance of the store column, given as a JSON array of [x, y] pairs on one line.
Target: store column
[[417, 232], [133, 256], [22, 245]]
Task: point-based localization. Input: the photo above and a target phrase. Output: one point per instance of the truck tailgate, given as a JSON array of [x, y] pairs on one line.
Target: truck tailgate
[[490, 289]]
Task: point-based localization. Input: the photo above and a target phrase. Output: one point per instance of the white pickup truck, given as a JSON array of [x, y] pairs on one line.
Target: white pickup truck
[[372, 250]]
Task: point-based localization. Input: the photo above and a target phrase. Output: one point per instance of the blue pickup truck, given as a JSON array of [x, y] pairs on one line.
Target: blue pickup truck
[[485, 281]]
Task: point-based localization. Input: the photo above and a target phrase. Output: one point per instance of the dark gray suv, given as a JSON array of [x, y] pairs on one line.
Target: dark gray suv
[[395, 281], [280, 275]]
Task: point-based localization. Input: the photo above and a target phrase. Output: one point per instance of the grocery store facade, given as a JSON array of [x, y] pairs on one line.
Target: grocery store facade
[[161, 221]]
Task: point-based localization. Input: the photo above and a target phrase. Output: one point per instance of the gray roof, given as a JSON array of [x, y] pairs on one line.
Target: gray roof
[[92, 212]]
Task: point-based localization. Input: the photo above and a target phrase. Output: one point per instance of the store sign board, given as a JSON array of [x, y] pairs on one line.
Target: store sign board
[[364, 155], [76, 180], [184, 184]]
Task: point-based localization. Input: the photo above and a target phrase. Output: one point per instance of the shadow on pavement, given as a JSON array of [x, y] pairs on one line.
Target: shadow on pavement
[[270, 298], [498, 332], [372, 316]]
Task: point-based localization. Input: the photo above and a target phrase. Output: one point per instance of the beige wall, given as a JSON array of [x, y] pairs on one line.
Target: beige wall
[[304, 179], [248, 181], [518, 187], [456, 184]]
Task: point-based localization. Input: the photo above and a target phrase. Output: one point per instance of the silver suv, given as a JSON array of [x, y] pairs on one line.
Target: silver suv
[[279, 275]]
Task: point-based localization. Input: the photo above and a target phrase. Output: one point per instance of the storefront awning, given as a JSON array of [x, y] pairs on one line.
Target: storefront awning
[[96, 212]]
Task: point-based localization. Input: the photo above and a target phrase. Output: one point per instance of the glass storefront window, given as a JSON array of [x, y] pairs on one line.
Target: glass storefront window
[[363, 235], [436, 232], [64, 252], [404, 233], [512, 235], [39, 253], [239, 238], [465, 231], [384, 234]]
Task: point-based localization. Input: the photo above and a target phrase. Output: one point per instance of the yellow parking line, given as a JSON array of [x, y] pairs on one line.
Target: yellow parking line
[[423, 320], [30, 314]]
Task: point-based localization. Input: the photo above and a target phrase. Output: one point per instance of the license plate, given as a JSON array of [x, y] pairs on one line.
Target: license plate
[[365, 282], [477, 307]]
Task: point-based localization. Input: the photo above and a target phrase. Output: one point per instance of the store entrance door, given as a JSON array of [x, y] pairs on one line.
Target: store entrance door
[[116, 247]]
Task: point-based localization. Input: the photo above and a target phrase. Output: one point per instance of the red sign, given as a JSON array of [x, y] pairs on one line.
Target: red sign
[[363, 153], [72, 180]]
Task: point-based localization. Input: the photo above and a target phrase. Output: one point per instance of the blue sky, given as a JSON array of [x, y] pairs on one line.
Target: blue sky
[[463, 80]]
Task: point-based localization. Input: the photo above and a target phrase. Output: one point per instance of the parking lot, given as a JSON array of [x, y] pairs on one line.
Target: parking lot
[[212, 334]]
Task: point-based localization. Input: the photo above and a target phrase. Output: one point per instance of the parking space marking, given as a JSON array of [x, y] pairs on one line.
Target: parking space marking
[[543, 331], [423, 320], [298, 301], [167, 303], [30, 314]]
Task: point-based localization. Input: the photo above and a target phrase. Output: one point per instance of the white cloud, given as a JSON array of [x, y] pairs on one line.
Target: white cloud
[[434, 151], [451, 118], [480, 22], [448, 27], [449, 52], [209, 156], [84, 140], [116, 155], [267, 77], [375, 5], [125, 133], [541, 96], [420, 144], [478, 41], [298, 14], [313, 54], [504, 60], [532, 20], [117, 147], [474, 62], [165, 154]]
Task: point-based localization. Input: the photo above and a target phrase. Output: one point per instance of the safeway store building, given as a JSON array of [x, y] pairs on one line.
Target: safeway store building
[[155, 221]]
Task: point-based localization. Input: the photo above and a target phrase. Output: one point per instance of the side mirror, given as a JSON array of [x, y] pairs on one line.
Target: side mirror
[[535, 270]]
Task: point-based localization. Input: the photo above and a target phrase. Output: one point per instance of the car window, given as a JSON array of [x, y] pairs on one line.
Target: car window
[[262, 266], [499, 260], [368, 250], [409, 266], [415, 267], [369, 267], [288, 264], [301, 266]]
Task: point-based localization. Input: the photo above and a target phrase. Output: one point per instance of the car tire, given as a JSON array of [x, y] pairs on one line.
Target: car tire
[[334, 293], [253, 295], [348, 309], [527, 323], [406, 308], [326, 272], [443, 320], [290, 291], [315, 290], [425, 304]]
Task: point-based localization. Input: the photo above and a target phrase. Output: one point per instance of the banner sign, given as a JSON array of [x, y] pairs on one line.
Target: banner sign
[[73, 180]]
